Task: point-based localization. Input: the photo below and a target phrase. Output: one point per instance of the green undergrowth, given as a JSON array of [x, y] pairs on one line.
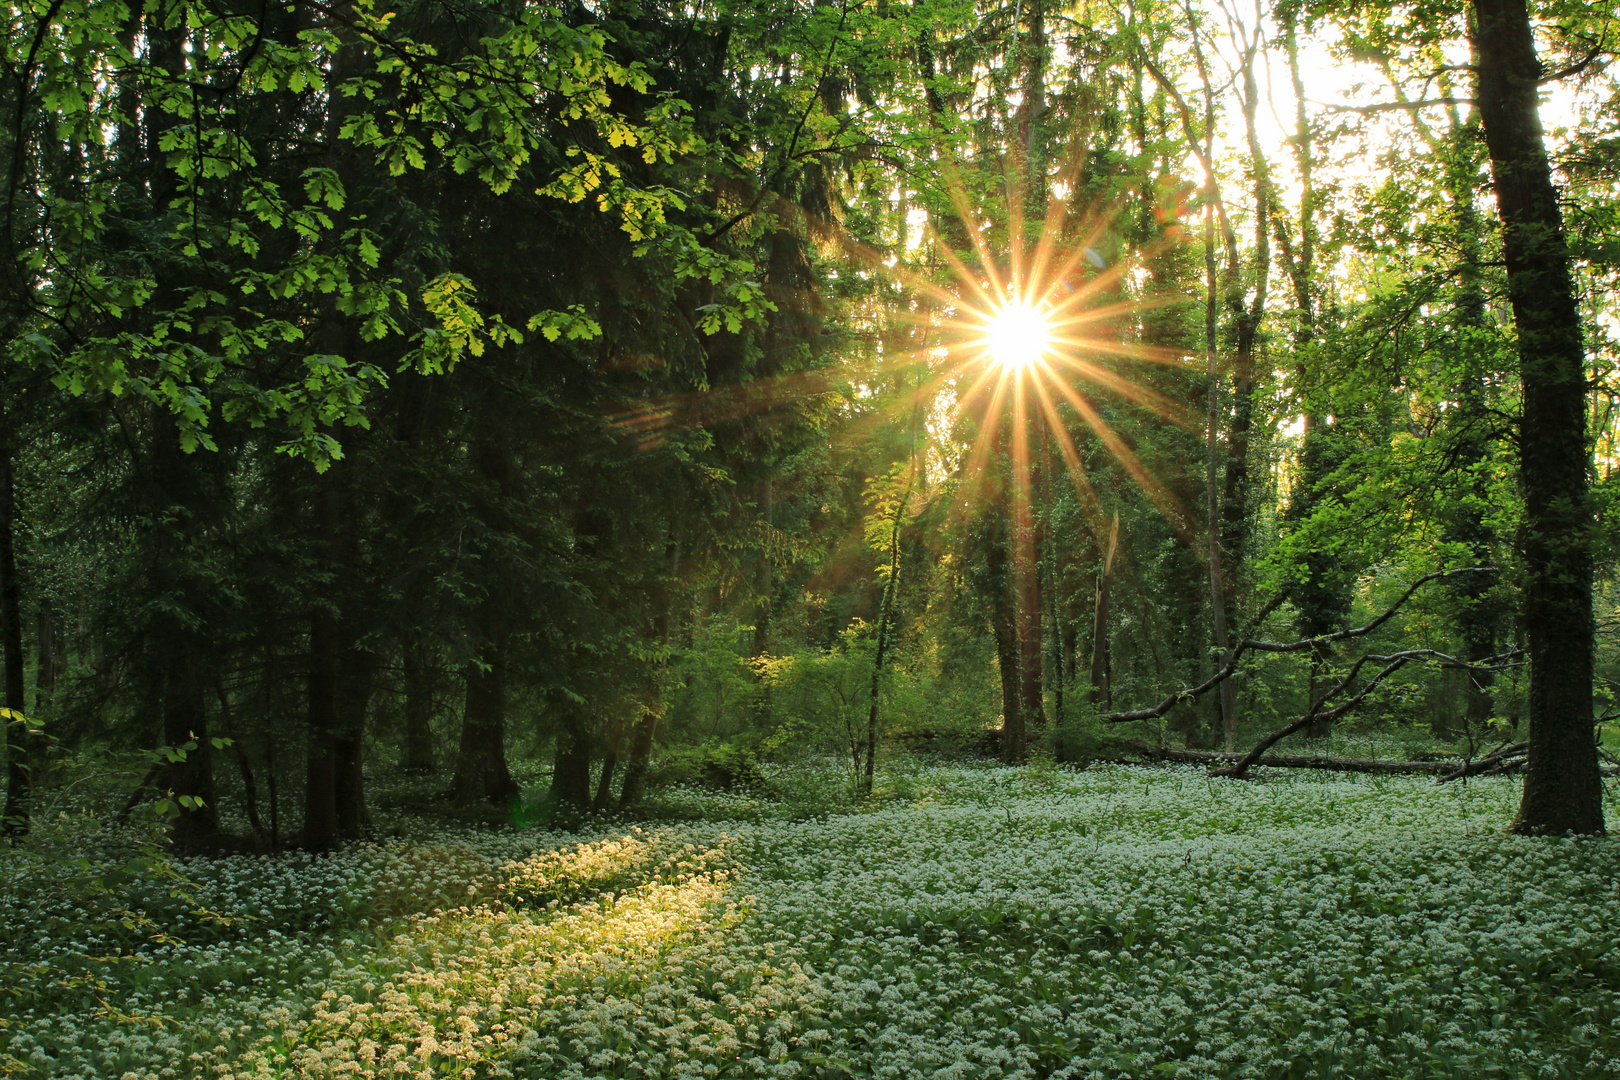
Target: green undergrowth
[[972, 922]]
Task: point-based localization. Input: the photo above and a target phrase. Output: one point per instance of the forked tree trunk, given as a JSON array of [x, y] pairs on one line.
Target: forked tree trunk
[[604, 786], [1562, 790]]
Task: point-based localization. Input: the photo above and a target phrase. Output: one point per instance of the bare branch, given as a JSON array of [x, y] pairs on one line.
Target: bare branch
[[1251, 645], [1488, 764], [1392, 663], [1293, 761]]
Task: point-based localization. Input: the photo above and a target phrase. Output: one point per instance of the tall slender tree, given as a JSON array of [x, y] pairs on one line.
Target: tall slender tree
[[1562, 792]]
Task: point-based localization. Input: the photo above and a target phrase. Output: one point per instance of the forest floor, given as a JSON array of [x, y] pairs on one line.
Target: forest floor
[[978, 922]]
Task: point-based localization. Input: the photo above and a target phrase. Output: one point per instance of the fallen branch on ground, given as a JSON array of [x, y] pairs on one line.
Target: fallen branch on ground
[[1316, 714], [1494, 762], [1295, 761]]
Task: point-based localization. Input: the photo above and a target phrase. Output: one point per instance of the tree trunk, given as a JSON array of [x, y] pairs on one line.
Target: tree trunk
[[604, 786], [185, 722], [766, 583], [635, 770], [1322, 598], [571, 769], [1562, 790], [481, 771], [1479, 616], [1101, 692], [1028, 541], [47, 659], [1246, 320], [1004, 624], [419, 679], [641, 743], [178, 639], [885, 617], [320, 770], [1226, 698], [356, 679], [19, 749]]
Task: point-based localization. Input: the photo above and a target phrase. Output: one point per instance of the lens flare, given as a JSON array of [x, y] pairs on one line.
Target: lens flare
[[1017, 336]]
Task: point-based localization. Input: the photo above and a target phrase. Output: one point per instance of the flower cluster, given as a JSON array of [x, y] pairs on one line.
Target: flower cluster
[[1116, 922]]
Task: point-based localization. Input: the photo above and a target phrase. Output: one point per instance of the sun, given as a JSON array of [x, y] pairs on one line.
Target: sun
[[1017, 335]]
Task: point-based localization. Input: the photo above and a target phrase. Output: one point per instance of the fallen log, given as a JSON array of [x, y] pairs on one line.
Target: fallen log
[[1296, 761]]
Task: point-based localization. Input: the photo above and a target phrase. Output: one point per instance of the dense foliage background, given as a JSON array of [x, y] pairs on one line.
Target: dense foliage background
[[435, 387]]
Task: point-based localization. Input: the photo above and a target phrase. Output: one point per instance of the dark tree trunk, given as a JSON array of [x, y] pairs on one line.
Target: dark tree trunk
[[571, 773], [1479, 615], [19, 771], [1562, 791], [320, 772], [47, 659], [635, 770], [641, 742], [1322, 598], [604, 786], [185, 723], [250, 796], [332, 792], [356, 679], [1004, 624], [419, 679], [481, 771], [1101, 692], [177, 639]]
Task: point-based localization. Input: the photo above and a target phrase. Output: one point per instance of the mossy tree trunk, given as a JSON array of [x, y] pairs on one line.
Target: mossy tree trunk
[[1562, 790]]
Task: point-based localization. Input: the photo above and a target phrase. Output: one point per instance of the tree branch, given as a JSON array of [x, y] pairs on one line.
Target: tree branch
[[1230, 668], [1578, 66], [1395, 106], [1487, 764], [1315, 714], [1294, 761]]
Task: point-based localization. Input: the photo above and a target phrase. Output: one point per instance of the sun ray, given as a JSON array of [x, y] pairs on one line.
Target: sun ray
[[1090, 505], [1004, 341], [1156, 492], [1167, 408]]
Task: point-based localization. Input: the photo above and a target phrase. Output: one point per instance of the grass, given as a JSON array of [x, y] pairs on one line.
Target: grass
[[977, 923]]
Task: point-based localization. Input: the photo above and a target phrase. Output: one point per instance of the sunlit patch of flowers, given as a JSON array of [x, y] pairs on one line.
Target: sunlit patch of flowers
[[1116, 922]]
